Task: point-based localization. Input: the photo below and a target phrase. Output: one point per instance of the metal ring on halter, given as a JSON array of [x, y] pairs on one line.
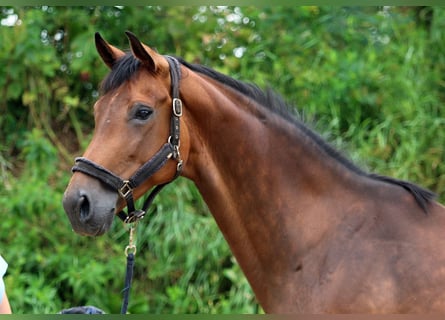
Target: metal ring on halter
[[179, 166], [169, 140], [132, 248]]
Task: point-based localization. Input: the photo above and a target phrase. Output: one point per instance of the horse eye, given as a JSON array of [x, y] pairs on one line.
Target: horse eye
[[143, 113]]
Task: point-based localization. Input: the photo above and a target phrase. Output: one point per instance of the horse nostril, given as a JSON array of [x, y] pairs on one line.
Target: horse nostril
[[84, 208]]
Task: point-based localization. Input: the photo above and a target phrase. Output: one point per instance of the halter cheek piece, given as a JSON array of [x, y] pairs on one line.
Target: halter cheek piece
[[170, 150]]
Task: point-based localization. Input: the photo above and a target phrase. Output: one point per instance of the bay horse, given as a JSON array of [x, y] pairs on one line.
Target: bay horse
[[312, 232]]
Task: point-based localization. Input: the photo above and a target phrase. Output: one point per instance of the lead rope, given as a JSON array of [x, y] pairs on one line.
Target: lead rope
[[130, 252]]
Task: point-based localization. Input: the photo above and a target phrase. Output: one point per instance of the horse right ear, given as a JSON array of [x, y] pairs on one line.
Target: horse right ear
[[108, 53]]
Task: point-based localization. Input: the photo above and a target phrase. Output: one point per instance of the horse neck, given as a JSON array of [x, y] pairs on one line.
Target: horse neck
[[261, 177]]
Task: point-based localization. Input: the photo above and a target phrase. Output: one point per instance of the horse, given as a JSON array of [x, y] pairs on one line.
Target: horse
[[311, 231]]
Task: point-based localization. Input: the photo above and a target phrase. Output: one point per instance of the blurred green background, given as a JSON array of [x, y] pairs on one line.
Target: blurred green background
[[371, 80]]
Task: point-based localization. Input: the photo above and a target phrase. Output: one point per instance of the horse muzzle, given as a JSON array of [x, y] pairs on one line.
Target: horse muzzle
[[89, 205]]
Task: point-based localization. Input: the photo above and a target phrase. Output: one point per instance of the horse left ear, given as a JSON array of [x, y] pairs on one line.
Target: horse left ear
[[108, 53], [143, 53]]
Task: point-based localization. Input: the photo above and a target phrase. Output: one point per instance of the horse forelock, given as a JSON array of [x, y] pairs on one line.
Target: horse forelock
[[123, 70]]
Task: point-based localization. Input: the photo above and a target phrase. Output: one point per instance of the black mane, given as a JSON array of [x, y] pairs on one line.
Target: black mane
[[127, 66]]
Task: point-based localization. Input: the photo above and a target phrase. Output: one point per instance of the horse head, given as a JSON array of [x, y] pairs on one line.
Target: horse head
[[133, 123]]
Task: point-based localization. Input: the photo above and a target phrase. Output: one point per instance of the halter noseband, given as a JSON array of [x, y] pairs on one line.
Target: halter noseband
[[170, 150]]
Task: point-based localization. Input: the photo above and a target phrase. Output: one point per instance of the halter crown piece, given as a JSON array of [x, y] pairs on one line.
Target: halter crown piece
[[170, 150]]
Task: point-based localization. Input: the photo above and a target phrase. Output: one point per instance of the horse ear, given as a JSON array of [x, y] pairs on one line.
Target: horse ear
[[143, 53], [108, 53]]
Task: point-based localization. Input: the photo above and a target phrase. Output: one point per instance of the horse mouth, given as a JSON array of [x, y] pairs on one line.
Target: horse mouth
[[100, 231], [90, 229]]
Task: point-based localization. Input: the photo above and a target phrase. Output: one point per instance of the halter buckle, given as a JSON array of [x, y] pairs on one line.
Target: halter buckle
[[177, 107], [125, 190]]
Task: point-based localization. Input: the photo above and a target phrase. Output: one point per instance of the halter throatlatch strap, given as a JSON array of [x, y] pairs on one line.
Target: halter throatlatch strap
[[170, 150]]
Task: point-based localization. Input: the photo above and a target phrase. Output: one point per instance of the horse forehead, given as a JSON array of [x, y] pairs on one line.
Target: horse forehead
[[141, 87], [142, 84], [124, 94]]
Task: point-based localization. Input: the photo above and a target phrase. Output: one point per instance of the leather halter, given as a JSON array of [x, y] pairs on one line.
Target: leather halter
[[170, 150]]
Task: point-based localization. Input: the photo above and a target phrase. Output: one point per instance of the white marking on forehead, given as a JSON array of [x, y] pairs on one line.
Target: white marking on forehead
[[115, 95], [101, 99]]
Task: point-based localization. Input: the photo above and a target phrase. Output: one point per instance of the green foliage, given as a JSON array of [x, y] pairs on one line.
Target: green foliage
[[370, 79]]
